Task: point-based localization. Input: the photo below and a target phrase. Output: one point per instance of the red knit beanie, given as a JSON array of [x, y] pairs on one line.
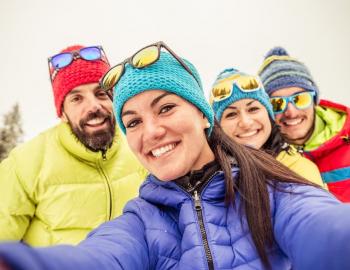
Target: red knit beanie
[[79, 72]]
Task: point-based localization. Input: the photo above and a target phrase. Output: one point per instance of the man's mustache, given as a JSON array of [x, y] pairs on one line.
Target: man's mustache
[[93, 115]]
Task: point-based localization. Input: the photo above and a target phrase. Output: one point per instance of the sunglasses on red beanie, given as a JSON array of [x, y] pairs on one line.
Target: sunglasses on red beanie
[[64, 59]]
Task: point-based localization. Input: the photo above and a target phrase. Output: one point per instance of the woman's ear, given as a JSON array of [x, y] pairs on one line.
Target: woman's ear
[[207, 124]]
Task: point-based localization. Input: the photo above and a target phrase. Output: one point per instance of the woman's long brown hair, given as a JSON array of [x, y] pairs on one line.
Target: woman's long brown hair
[[257, 170]]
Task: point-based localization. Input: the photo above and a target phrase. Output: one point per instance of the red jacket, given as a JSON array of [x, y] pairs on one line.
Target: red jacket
[[333, 157]]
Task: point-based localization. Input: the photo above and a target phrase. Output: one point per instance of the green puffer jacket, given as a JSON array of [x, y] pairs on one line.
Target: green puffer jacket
[[53, 190]]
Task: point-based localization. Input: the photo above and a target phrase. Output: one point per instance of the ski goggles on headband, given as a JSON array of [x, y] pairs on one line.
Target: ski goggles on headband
[[64, 59], [141, 59], [223, 89], [300, 101]]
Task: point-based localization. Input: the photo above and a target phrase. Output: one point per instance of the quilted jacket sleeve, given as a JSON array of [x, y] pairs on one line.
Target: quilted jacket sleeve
[[312, 228], [118, 244], [16, 206]]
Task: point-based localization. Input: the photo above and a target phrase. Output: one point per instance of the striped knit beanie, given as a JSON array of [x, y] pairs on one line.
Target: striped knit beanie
[[165, 74], [79, 72], [279, 70], [259, 95]]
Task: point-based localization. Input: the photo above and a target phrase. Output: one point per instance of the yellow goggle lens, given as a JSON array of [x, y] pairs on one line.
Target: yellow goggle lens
[[278, 104], [247, 83], [221, 90], [302, 100], [112, 76], [145, 57]]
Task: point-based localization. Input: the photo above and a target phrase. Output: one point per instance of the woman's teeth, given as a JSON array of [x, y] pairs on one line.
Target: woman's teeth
[[248, 134], [162, 150]]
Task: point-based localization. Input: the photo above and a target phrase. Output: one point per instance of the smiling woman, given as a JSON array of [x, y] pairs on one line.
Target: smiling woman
[[162, 135], [208, 203]]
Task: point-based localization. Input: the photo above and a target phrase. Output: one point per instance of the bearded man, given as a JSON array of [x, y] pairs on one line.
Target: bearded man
[[76, 175]]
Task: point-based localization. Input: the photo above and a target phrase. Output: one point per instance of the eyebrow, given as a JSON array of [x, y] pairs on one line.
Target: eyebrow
[[248, 104], [78, 90], [74, 91], [153, 103], [157, 99], [127, 113]]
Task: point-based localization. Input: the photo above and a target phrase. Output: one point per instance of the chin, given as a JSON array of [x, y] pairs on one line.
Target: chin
[[295, 139], [168, 175], [250, 144], [164, 177], [296, 135]]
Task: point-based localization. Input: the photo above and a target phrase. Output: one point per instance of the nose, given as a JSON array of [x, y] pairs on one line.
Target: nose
[[93, 104], [244, 121], [153, 131], [290, 111]]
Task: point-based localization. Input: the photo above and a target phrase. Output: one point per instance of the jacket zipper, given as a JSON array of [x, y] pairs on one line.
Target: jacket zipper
[[104, 158], [198, 208], [307, 154]]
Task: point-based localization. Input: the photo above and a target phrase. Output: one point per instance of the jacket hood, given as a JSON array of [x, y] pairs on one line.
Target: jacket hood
[[331, 123]]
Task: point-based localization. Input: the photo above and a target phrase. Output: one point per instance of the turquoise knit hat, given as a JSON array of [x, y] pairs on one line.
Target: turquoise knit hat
[[165, 74], [259, 95]]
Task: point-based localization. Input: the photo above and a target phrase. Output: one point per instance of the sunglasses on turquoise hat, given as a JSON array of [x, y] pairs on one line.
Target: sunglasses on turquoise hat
[[301, 100], [141, 59], [64, 59], [223, 87]]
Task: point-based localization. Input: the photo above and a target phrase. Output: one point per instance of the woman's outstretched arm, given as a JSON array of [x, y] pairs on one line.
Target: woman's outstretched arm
[[313, 228], [118, 244]]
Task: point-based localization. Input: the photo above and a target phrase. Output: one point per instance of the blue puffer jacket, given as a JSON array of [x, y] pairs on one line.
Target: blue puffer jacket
[[160, 230]]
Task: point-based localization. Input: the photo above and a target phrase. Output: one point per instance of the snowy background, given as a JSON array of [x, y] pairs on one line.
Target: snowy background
[[211, 34]]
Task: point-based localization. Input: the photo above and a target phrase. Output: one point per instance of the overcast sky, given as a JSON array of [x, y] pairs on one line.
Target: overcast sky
[[212, 34]]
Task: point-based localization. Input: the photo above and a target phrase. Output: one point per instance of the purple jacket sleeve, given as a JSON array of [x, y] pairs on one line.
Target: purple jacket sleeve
[[313, 229], [118, 244]]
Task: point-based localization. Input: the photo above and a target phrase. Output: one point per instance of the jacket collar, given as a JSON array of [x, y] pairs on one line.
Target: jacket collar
[[328, 123], [195, 180], [72, 145], [170, 194]]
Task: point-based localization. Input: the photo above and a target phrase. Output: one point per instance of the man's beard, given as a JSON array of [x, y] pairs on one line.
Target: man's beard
[[302, 139], [98, 140]]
